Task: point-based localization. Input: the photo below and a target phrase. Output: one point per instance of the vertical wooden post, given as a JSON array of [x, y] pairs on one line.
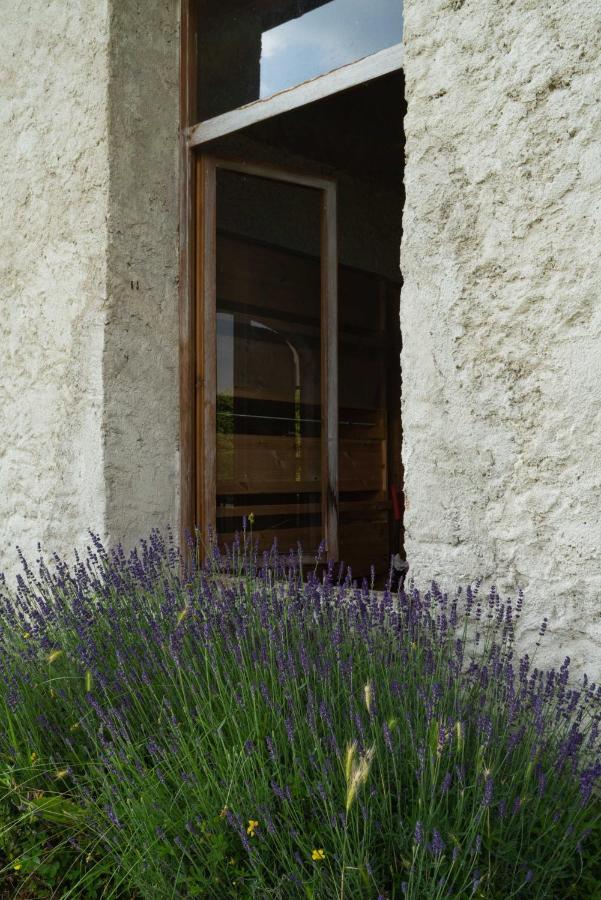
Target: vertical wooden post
[[206, 345]]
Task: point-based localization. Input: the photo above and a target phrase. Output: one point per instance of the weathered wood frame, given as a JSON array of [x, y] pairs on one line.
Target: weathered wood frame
[[359, 72], [196, 332], [206, 344]]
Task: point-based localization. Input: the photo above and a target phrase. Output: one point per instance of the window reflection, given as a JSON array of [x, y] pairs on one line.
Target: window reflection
[[268, 361], [326, 38], [251, 50]]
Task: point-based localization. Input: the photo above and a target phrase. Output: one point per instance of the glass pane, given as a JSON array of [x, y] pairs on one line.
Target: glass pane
[[268, 360], [253, 50]]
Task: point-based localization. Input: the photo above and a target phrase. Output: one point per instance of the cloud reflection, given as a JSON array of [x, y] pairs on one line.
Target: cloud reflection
[[326, 38]]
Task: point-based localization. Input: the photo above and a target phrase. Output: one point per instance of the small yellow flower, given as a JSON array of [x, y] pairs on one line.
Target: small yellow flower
[[252, 825], [33, 756], [26, 635], [62, 774], [318, 854], [54, 655], [17, 866]]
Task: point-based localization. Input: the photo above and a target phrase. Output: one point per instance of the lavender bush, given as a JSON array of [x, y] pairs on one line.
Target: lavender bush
[[250, 730]]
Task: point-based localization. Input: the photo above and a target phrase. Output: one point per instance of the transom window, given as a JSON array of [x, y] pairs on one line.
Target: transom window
[[256, 49]]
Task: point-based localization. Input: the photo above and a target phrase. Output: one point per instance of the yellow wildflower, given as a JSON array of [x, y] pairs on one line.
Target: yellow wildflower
[[17, 866], [26, 635], [33, 756], [62, 774], [252, 825], [318, 854], [54, 655]]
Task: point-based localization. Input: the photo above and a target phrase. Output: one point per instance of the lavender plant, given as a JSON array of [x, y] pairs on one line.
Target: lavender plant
[[247, 729]]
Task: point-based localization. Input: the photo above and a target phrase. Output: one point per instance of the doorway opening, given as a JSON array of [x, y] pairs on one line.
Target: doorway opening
[[297, 292]]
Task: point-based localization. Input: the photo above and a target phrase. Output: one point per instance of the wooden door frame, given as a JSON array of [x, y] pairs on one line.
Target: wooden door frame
[[205, 341]]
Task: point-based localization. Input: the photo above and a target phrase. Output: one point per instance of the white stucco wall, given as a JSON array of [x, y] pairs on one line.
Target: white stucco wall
[[501, 307], [89, 421], [141, 361], [53, 278]]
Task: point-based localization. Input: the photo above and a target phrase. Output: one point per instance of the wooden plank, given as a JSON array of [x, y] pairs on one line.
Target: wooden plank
[[354, 508], [274, 173], [206, 361], [329, 368], [249, 463], [288, 538], [248, 273], [363, 70], [256, 463]]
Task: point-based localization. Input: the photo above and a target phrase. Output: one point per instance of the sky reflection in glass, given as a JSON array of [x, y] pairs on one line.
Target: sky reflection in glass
[[323, 39]]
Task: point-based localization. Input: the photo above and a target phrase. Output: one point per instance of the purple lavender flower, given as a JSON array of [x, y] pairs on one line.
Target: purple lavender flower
[[387, 736], [446, 783], [488, 791], [418, 836], [270, 748], [112, 816], [438, 845]]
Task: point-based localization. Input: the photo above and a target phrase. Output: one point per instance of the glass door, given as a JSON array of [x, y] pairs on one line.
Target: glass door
[[268, 294]]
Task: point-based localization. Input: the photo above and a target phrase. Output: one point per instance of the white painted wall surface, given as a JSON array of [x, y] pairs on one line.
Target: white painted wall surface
[[501, 308], [53, 278], [141, 353], [89, 421]]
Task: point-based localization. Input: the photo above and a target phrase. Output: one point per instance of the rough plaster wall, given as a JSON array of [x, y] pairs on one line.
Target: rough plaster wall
[[501, 308], [141, 348], [53, 189]]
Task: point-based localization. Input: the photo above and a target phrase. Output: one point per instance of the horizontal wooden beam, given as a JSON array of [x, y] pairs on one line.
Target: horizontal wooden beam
[[382, 63]]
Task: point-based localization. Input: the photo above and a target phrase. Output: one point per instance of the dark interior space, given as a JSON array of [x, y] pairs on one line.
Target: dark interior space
[[268, 264]]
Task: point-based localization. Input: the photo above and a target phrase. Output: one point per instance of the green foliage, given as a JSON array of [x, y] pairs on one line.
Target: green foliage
[[246, 732]]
